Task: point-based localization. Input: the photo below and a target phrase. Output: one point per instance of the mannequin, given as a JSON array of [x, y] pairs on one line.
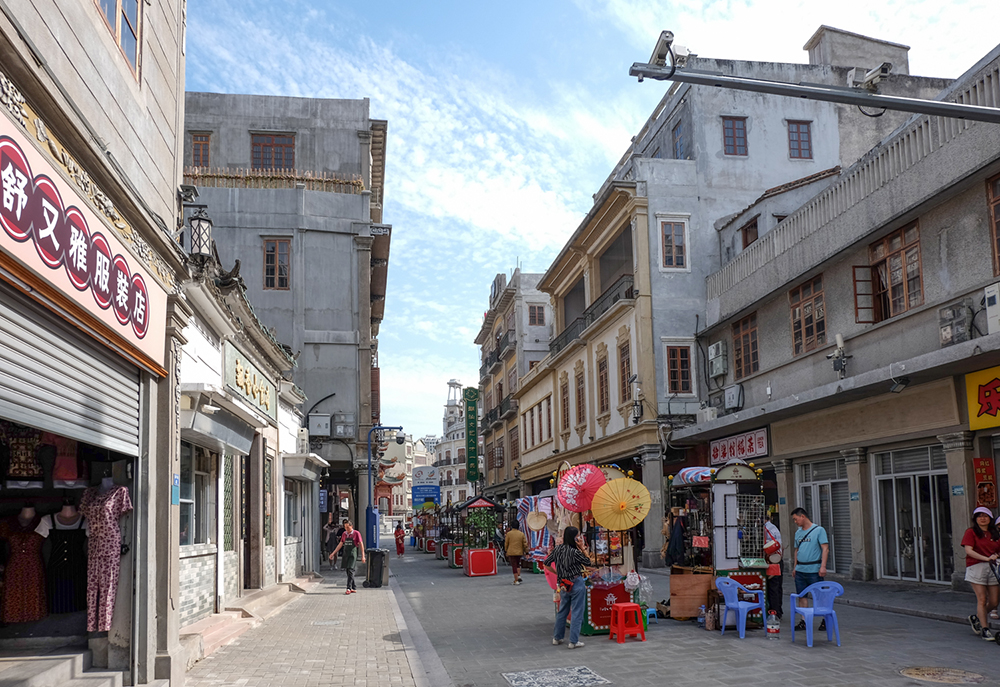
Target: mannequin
[[66, 570], [106, 484], [22, 599], [27, 514], [104, 506], [69, 513]]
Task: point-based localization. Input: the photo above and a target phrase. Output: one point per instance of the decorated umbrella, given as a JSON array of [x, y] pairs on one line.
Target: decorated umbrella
[[621, 504], [578, 485]]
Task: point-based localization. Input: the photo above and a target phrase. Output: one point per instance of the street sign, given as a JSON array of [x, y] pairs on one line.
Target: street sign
[[471, 396]]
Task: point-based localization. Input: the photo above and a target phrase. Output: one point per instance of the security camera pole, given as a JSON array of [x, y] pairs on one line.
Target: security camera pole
[[371, 515], [668, 63]]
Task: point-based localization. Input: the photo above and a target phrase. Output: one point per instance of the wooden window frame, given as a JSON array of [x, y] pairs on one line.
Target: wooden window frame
[[564, 404], [750, 232], [746, 355], [674, 254], [874, 297], [800, 140], [993, 200], [581, 399], [807, 337], [276, 275], [603, 387], [536, 315], [625, 371], [531, 425], [515, 449], [200, 149], [548, 417], [676, 370], [677, 137], [115, 27], [269, 143], [735, 128]]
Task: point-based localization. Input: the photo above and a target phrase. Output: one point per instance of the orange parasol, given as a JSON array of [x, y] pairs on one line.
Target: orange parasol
[[621, 504]]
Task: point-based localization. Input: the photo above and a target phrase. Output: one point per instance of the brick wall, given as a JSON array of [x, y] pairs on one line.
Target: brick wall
[[231, 576], [197, 584], [293, 554], [270, 575]]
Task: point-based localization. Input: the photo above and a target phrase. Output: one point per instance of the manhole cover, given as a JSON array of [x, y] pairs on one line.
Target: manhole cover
[[579, 676], [328, 622], [950, 676]]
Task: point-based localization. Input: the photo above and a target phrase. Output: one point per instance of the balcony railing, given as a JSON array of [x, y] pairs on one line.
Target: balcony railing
[[507, 343], [485, 368], [623, 289], [490, 417], [494, 360], [508, 407]]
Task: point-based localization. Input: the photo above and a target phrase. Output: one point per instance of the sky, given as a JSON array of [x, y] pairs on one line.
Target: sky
[[503, 121]]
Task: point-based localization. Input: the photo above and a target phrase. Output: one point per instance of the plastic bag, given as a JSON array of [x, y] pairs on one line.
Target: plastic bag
[[645, 591], [632, 581]]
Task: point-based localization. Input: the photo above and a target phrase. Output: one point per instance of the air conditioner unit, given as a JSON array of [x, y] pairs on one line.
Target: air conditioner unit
[[717, 366], [993, 308], [707, 414], [717, 350], [302, 441]]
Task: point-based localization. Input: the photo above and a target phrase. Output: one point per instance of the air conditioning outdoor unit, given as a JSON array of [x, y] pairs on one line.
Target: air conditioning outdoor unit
[[717, 360], [707, 414], [302, 441]]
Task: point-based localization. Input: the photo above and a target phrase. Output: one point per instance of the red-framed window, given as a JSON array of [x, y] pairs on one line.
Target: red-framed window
[[199, 150], [734, 135], [892, 283], [679, 369], [674, 249], [800, 140], [123, 17], [277, 265], [808, 313], [749, 233], [536, 315], [603, 387], [272, 152], [745, 356]]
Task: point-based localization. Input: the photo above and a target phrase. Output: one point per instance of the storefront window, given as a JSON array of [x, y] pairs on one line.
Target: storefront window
[[197, 496], [291, 510], [824, 493]]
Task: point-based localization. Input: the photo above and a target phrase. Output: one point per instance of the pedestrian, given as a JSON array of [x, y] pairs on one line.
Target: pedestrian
[[338, 534], [812, 548], [353, 545], [515, 545], [400, 538], [570, 559], [775, 571], [982, 545]]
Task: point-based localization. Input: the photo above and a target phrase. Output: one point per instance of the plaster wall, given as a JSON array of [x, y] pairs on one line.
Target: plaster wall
[[201, 359]]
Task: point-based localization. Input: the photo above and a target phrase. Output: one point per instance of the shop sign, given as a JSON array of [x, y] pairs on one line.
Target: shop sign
[[249, 382], [986, 482], [426, 486], [982, 390], [958, 490], [471, 396], [54, 232], [746, 446], [322, 500]]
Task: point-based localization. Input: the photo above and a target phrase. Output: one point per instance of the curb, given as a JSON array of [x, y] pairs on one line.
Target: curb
[[427, 671]]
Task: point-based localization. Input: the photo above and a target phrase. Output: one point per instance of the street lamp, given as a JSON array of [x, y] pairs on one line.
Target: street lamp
[[201, 233], [371, 514]]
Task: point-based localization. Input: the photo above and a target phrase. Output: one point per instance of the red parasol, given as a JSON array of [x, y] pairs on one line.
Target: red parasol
[[577, 487]]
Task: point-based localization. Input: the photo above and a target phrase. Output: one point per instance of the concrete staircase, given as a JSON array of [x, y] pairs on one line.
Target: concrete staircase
[[65, 667]]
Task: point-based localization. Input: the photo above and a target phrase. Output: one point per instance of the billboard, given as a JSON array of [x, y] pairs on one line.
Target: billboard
[[426, 487]]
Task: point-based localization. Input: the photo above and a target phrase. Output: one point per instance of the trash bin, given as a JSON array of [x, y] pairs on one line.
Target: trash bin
[[377, 574]]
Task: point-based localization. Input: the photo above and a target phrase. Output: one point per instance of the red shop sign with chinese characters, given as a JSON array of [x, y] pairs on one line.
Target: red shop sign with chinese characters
[[48, 228], [986, 482], [746, 446]]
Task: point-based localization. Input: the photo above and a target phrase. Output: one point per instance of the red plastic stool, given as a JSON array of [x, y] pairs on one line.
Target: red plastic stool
[[626, 621]]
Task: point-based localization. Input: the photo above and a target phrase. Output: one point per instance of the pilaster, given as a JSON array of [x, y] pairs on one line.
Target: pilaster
[[652, 479], [958, 455], [784, 475], [862, 535]]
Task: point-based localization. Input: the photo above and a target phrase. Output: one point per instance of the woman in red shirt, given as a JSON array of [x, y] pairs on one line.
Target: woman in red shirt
[[982, 545], [400, 537], [352, 544]]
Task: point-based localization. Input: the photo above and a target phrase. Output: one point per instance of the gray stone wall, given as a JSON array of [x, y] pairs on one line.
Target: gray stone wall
[[293, 554], [230, 576], [270, 574], [197, 573]]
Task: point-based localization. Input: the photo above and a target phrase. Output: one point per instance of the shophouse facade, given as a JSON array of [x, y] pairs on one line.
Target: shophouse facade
[[513, 339], [890, 444], [628, 288], [295, 189]]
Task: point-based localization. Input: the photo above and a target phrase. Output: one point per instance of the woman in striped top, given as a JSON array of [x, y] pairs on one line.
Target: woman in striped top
[[570, 560]]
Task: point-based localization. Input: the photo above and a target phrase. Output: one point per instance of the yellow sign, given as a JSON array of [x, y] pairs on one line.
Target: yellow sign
[[982, 389], [250, 382]]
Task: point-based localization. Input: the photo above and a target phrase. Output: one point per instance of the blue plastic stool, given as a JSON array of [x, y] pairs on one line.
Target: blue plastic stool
[[651, 615]]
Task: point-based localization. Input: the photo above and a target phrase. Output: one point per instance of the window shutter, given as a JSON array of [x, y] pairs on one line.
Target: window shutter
[[864, 295]]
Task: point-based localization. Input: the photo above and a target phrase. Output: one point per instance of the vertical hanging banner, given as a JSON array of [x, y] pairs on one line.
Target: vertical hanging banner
[[471, 396], [986, 482]]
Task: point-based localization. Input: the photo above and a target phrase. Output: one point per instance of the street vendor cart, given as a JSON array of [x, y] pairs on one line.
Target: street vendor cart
[[479, 518]]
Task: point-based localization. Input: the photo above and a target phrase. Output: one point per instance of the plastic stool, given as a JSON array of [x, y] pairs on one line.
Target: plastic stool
[[651, 615], [626, 620]]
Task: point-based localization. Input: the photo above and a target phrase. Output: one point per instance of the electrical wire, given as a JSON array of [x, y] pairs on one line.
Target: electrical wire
[[673, 62], [868, 114]]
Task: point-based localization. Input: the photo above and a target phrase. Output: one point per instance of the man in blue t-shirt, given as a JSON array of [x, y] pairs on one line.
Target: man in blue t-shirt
[[809, 555]]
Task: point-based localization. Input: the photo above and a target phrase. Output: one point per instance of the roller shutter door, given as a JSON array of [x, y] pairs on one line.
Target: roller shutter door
[[56, 379]]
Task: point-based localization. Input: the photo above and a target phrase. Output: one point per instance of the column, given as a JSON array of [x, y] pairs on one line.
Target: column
[[784, 474], [652, 478], [859, 484], [958, 454]]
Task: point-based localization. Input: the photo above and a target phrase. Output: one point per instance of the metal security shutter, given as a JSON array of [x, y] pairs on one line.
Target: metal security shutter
[[56, 379], [841, 530]]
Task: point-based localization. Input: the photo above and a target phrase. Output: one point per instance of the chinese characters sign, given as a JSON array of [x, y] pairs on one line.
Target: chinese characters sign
[[471, 396], [51, 231], [250, 382], [982, 391], [746, 446], [986, 482]]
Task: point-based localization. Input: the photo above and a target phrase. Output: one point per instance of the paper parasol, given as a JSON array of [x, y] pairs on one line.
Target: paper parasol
[[577, 487], [620, 504], [536, 520]]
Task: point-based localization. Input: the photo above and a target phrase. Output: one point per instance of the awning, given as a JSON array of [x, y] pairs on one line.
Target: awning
[[302, 466]]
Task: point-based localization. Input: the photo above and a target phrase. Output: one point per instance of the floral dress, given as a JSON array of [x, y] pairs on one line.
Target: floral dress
[[23, 597], [103, 511]]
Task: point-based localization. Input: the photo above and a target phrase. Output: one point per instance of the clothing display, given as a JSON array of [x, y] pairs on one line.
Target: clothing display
[[24, 471], [69, 471], [23, 596], [66, 571], [103, 510]]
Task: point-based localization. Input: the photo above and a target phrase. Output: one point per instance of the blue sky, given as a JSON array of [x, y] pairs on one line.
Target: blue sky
[[505, 119]]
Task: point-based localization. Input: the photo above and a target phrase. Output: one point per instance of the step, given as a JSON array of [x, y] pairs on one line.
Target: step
[[208, 624], [96, 679], [224, 635], [264, 603], [44, 670]]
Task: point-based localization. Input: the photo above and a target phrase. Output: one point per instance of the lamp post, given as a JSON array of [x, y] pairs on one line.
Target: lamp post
[[371, 514]]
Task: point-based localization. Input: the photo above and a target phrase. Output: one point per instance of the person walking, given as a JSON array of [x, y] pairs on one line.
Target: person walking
[[812, 548], [352, 544], [982, 545], [570, 559], [400, 535], [775, 571], [515, 545]]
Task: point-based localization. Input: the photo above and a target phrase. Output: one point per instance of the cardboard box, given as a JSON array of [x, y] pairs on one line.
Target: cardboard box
[[688, 592]]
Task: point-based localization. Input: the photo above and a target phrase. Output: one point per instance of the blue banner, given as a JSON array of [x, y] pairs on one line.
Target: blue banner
[[424, 494]]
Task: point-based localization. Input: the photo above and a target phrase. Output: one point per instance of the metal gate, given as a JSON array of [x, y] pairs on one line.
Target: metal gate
[[58, 380]]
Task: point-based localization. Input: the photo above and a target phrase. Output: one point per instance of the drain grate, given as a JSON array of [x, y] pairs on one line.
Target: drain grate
[[328, 622], [578, 676], [948, 676]]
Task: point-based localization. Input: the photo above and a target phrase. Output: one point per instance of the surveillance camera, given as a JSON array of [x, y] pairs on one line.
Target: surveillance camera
[[662, 49], [400, 439], [874, 76], [633, 378]]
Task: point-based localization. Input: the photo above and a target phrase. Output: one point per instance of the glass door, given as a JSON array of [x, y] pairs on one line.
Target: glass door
[[934, 530], [898, 527]]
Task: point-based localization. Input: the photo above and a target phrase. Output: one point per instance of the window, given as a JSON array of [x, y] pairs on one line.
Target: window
[[892, 283], [197, 497], [603, 393], [678, 136], [799, 141], [749, 233], [531, 427], [272, 152], [515, 452], [581, 402], [536, 315], [532, 364], [512, 380], [564, 404], [548, 417], [276, 263], [656, 154], [199, 149], [461, 475], [672, 234], [808, 316], [498, 450], [625, 371], [291, 510], [510, 321], [123, 20], [447, 455], [678, 369], [461, 495], [993, 197], [734, 135], [745, 358]]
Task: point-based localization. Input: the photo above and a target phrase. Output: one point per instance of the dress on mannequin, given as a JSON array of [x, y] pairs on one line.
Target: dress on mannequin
[[103, 509], [23, 596], [66, 571], [24, 471]]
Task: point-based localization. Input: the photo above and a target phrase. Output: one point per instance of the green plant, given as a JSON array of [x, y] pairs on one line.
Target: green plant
[[480, 523]]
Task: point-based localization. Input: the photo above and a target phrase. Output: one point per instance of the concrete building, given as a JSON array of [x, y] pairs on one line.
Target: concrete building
[[91, 319], [513, 339], [628, 288], [888, 434], [295, 188], [449, 453]]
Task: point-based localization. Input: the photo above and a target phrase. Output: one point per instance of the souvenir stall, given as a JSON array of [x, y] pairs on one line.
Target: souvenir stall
[[716, 529], [533, 514], [480, 518], [446, 532]]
